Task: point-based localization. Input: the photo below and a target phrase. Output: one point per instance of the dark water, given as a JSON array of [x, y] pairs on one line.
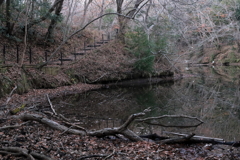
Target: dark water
[[212, 95]]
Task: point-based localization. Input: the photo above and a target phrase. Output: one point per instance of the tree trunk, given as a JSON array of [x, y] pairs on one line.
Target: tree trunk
[[86, 5], [9, 25], [147, 12], [50, 33], [1, 2], [121, 21], [101, 13], [36, 21]]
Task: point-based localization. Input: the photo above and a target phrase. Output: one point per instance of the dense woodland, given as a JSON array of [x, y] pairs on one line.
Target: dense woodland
[[145, 38], [165, 23]]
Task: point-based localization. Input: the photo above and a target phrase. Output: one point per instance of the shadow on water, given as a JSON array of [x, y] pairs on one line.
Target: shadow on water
[[213, 96]]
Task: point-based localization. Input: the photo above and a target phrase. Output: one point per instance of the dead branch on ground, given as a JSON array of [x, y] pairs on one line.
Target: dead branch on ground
[[12, 126], [188, 138], [50, 123], [50, 103], [105, 156], [10, 95], [177, 140], [123, 129], [16, 151]]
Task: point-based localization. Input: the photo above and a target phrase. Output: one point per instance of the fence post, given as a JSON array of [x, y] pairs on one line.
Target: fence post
[[46, 56], [61, 58], [75, 55], [30, 55], [4, 52], [17, 53]]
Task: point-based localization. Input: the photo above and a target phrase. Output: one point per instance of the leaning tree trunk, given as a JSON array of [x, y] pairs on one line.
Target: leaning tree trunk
[[50, 33], [122, 20], [39, 20]]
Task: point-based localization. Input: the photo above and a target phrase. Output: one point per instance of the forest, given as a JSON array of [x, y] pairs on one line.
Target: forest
[[55, 50]]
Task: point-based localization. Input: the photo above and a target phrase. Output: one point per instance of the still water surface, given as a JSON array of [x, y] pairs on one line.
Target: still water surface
[[212, 95]]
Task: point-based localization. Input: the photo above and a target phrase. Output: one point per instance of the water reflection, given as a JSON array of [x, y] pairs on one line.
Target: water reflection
[[212, 95]]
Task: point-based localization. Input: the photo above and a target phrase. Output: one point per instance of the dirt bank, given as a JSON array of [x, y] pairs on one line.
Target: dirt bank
[[105, 64]]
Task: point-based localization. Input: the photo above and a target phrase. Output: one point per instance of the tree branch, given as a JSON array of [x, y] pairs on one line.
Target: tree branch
[[76, 32]]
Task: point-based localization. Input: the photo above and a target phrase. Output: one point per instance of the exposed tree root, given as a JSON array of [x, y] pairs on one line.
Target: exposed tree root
[[16, 151]]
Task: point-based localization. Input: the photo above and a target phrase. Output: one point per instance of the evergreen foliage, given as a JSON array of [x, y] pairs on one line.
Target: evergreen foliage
[[144, 49]]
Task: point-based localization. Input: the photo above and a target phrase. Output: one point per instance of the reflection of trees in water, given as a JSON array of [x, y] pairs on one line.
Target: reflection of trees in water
[[216, 103], [211, 99]]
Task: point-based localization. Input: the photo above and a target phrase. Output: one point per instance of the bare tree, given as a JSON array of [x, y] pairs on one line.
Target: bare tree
[[86, 6]]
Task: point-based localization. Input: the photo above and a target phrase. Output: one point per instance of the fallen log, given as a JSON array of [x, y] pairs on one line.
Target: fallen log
[[185, 138], [123, 129]]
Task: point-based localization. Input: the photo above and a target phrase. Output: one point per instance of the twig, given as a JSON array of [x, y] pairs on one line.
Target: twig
[[66, 130], [110, 155], [51, 105], [99, 78], [13, 126], [92, 156], [76, 126], [64, 118], [10, 95]]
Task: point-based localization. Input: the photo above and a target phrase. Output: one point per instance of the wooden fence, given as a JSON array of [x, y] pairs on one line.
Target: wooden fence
[[8, 57]]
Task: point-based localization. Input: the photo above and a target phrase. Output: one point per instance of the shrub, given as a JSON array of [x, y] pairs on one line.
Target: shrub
[[144, 49]]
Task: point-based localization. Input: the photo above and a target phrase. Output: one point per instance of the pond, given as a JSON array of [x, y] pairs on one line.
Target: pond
[[212, 95]]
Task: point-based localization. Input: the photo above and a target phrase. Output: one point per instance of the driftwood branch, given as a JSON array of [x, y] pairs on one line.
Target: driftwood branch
[[123, 129]]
